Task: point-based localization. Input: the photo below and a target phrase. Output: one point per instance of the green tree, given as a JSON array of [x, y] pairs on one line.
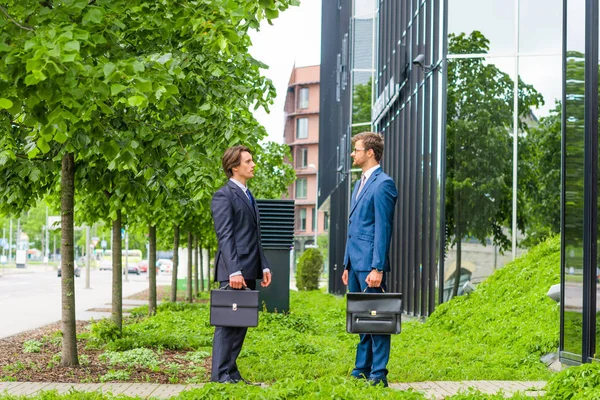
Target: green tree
[[84, 84], [479, 146]]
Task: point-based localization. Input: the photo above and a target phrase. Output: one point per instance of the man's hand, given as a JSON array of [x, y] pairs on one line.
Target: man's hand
[[266, 279], [237, 281], [374, 278], [345, 277]]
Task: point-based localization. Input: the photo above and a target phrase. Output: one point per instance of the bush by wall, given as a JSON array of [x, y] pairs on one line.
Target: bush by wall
[[309, 269]]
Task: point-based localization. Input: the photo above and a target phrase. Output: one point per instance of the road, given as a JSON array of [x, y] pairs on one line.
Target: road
[[32, 298]]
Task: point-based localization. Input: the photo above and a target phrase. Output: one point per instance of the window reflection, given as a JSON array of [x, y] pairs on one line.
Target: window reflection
[[479, 159], [573, 206], [494, 18], [540, 26], [540, 152]]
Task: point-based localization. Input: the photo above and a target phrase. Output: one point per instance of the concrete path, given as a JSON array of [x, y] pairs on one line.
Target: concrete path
[[431, 390]]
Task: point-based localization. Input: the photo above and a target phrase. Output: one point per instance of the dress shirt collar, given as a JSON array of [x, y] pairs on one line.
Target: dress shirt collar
[[240, 185], [370, 171]]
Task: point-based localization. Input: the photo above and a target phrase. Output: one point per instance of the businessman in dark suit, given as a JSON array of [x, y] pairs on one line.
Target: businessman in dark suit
[[366, 261], [240, 260]]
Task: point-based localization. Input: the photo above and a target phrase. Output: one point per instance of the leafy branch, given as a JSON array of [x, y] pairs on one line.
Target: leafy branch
[[14, 21]]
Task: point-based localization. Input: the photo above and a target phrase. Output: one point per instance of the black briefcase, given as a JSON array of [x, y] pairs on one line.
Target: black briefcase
[[234, 308], [373, 313]]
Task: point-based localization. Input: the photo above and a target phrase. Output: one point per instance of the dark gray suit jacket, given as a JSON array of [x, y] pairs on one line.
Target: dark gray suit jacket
[[238, 233]]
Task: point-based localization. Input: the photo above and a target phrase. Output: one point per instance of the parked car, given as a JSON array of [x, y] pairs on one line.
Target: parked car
[[165, 265], [143, 266], [105, 265], [132, 269], [77, 270]]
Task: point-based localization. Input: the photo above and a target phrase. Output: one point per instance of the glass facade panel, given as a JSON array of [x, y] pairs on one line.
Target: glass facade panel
[[539, 149], [479, 163], [361, 102], [574, 180], [364, 8], [495, 19], [540, 26]]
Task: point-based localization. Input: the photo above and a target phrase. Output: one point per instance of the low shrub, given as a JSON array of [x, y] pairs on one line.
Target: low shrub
[[310, 267], [32, 346], [139, 357]]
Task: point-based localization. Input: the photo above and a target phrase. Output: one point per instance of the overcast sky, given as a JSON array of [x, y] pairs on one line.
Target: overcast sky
[[295, 37]]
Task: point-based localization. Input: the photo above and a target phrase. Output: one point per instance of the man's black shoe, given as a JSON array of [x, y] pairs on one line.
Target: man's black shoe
[[228, 381], [377, 381], [242, 380]]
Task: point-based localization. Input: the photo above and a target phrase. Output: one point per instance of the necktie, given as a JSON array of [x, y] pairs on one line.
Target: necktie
[[363, 179], [249, 194]]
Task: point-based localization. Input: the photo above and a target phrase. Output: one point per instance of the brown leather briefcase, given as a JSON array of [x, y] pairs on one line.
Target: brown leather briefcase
[[234, 308]]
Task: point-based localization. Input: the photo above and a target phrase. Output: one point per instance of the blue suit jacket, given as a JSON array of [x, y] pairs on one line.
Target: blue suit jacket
[[237, 224], [370, 224]]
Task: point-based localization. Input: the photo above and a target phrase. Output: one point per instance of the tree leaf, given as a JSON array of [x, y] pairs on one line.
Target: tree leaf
[[93, 16], [136, 101], [5, 103], [116, 89], [73, 45], [108, 69]]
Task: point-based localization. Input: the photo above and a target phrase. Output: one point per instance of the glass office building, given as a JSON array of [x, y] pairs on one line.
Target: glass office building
[[490, 114]]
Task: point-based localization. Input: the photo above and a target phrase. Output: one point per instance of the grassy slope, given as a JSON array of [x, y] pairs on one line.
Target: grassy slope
[[497, 332]]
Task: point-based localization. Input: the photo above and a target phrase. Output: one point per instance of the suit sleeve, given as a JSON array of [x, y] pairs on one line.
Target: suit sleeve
[[385, 201], [223, 216], [263, 259], [352, 199]]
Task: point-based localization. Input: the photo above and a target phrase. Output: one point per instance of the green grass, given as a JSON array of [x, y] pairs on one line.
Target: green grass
[[497, 332]]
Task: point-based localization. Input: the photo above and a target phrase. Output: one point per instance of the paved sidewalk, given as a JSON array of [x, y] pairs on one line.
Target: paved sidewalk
[[432, 390]]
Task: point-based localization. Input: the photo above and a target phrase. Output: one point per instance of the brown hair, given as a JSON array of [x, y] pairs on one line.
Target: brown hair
[[372, 141], [232, 158]]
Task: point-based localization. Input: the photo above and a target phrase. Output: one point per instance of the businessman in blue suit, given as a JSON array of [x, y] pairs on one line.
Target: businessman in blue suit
[[366, 260], [240, 260]]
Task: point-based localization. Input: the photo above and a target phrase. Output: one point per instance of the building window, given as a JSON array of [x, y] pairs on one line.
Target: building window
[[326, 221], [302, 219], [303, 98], [301, 188], [314, 219], [302, 157], [301, 128]]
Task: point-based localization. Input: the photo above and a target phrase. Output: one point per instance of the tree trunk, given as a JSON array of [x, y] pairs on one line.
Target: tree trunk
[[190, 271], [152, 269], [117, 273], [175, 263], [209, 270], [201, 266], [67, 263], [196, 266]]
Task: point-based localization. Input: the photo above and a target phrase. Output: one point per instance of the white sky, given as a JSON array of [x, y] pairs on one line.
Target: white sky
[[294, 37]]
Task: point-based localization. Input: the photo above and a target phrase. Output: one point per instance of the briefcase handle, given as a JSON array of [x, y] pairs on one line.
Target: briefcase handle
[[227, 286], [382, 289]]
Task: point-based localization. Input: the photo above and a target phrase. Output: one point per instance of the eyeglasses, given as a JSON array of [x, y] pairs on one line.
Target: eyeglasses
[[355, 150]]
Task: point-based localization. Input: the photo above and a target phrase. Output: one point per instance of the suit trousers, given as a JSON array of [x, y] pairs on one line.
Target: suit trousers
[[373, 351], [227, 345]]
